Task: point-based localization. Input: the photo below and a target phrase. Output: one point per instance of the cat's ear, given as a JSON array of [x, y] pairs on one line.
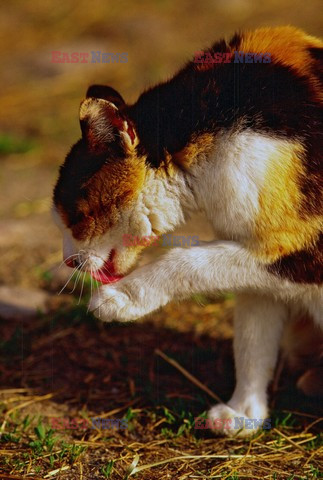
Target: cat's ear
[[103, 122], [106, 93]]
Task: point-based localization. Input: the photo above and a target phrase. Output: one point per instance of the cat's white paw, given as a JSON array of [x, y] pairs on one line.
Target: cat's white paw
[[111, 303], [226, 420], [129, 299]]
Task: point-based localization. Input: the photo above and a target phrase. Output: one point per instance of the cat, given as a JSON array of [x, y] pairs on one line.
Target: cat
[[302, 354], [240, 142]]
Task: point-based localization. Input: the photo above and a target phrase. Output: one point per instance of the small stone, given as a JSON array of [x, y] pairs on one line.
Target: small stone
[[18, 302]]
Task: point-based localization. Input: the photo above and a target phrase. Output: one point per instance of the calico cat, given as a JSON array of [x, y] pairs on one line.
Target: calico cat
[[240, 142]]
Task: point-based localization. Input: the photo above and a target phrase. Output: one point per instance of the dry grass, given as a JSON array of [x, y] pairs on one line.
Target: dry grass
[[159, 373]]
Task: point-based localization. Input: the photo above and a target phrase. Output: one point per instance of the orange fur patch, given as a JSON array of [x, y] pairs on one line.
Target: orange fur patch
[[109, 190], [199, 146], [287, 45], [166, 168], [124, 259], [281, 229]]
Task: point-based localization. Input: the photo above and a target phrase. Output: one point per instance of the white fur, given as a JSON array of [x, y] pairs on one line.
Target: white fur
[[225, 186], [257, 329], [91, 109]]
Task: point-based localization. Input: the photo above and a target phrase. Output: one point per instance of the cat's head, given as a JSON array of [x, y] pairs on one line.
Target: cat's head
[[97, 198]]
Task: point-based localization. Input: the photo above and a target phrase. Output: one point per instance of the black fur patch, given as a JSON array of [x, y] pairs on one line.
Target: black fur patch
[[79, 167], [305, 266], [268, 98]]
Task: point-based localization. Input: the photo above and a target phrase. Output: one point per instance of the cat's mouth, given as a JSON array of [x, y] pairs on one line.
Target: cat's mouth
[[107, 273]]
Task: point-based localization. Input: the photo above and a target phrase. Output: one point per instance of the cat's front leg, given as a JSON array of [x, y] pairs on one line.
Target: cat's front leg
[[177, 274], [150, 287], [218, 266]]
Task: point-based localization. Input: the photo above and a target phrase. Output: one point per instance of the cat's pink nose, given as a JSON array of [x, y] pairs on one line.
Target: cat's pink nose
[[69, 262], [72, 262]]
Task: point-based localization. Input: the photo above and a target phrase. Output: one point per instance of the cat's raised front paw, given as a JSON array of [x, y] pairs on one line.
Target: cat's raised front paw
[[129, 299], [111, 303]]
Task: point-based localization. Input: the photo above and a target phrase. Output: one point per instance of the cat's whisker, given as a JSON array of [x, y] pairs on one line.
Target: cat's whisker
[[79, 268], [63, 262], [76, 281], [83, 280], [91, 287], [91, 269], [68, 280], [67, 258], [98, 287], [76, 269]]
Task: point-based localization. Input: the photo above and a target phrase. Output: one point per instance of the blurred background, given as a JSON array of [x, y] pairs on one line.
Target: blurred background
[[40, 99]]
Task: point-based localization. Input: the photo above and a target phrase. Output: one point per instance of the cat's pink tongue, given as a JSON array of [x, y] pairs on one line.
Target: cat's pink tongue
[[107, 274], [104, 277]]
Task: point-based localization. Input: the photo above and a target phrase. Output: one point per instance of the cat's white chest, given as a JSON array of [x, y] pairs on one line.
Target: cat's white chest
[[230, 181]]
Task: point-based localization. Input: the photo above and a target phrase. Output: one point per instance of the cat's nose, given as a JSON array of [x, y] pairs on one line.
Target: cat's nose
[[73, 262]]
